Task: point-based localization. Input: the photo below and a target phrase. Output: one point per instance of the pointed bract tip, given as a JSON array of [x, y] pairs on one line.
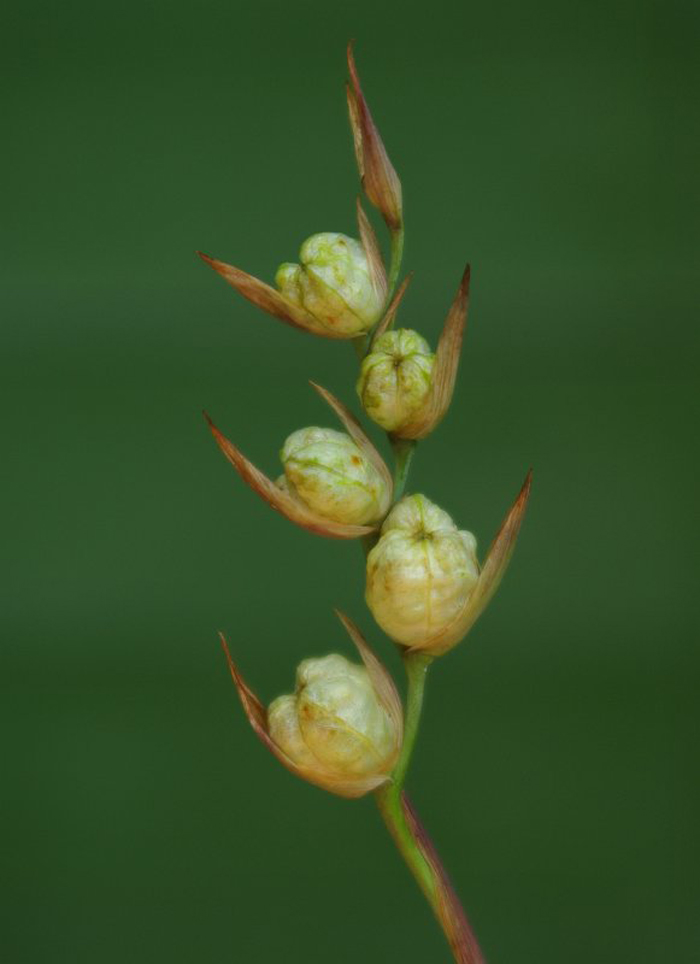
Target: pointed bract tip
[[387, 321], [379, 180], [447, 356]]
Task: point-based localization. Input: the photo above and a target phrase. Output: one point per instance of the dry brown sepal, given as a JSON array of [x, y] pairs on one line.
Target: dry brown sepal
[[493, 570], [379, 180], [369, 242], [274, 303], [449, 348], [387, 321], [380, 676], [327, 780], [269, 299], [294, 509]]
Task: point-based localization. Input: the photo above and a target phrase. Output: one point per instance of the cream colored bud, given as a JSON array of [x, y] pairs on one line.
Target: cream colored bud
[[334, 283], [334, 727], [341, 729], [333, 477], [395, 378], [421, 572]]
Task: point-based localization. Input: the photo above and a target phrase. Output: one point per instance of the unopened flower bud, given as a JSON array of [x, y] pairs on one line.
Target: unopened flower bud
[[333, 283], [424, 586], [329, 473], [334, 724], [338, 290], [395, 378], [330, 477], [420, 573], [341, 729]]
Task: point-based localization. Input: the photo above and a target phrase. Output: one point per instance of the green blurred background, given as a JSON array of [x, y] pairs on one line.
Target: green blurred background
[[557, 767]]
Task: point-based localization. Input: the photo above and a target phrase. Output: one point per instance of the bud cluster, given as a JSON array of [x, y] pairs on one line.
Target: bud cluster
[[342, 728]]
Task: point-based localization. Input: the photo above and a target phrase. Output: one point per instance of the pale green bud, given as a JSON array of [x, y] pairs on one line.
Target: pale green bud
[[395, 378], [331, 475], [421, 572], [334, 284], [335, 729], [341, 729]]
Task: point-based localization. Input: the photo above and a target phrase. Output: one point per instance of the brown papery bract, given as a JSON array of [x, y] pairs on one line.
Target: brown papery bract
[[379, 179], [492, 572], [444, 377]]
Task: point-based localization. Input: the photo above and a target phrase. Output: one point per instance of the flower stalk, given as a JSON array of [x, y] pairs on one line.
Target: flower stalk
[[409, 835], [418, 851], [343, 728]]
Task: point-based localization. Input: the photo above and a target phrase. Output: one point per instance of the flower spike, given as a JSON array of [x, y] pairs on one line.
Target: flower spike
[[444, 375], [379, 179]]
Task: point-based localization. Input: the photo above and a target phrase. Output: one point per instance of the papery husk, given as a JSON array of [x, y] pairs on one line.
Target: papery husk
[[493, 570], [379, 180], [437, 401]]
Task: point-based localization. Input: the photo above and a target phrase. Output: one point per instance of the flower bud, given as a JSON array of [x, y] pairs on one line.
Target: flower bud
[[334, 722], [395, 378], [424, 586], [420, 573], [341, 729], [333, 283], [329, 473], [330, 477], [338, 290]]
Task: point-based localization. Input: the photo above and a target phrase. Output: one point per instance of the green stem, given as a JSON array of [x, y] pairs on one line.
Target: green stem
[[417, 849], [403, 453], [416, 666], [410, 837], [397, 238]]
